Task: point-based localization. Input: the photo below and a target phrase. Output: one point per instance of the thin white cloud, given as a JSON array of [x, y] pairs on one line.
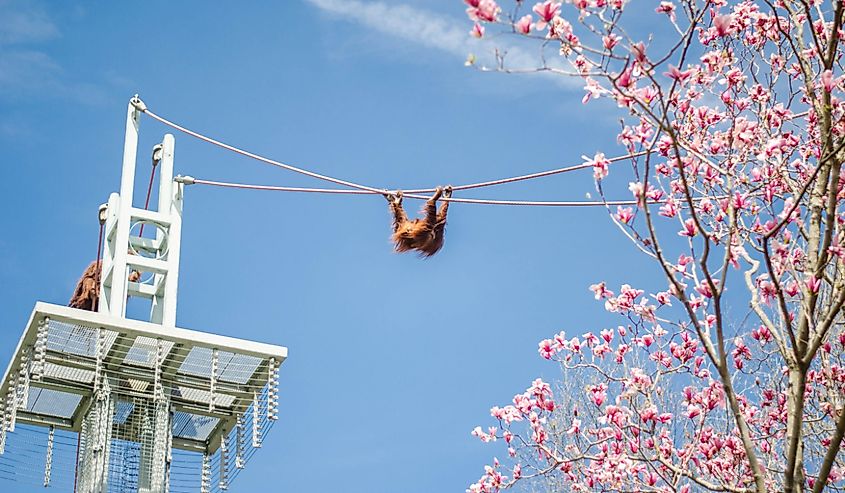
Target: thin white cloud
[[22, 22], [431, 30], [25, 68], [405, 22], [27, 71]]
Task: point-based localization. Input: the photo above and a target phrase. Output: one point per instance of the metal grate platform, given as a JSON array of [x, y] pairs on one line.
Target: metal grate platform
[[79, 376]]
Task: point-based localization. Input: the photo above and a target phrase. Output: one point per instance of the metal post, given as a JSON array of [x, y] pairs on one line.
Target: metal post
[[273, 391], [239, 443], [205, 479], [158, 386], [12, 403], [109, 249], [212, 385], [256, 421], [23, 378], [100, 337], [174, 244], [48, 463], [117, 302], [169, 458], [169, 203], [95, 442], [154, 460], [40, 356], [224, 459], [3, 420]]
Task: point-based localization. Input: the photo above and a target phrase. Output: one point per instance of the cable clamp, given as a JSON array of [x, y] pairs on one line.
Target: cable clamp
[[103, 213], [185, 180], [138, 104], [157, 151]]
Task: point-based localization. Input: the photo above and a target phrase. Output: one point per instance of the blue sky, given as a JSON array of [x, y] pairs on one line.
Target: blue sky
[[393, 360]]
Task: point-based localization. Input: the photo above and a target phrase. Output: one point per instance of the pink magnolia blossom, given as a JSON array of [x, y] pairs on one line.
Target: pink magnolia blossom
[[624, 214], [654, 194], [639, 52], [692, 411], [625, 79], [593, 90], [483, 10], [610, 41], [740, 200], [546, 350], [828, 82], [677, 74], [600, 165], [741, 353], [600, 290], [664, 298], [689, 228], [523, 25], [762, 334], [484, 436], [683, 262], [669, 208], [546, 11], [667, 8], [704, 288], [598, 394], [813, 284], [638, 191], [722, 23]]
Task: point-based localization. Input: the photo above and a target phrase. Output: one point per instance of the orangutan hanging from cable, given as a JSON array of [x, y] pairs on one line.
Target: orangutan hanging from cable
[[425, 235]]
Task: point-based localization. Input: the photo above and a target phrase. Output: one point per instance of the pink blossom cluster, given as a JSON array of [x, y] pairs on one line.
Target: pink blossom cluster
[[727, 375], [627, 415]]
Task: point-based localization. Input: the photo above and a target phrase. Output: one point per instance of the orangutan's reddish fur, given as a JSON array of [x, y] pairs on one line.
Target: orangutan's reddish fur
[[86, 296], [87, 293], [425, 235]]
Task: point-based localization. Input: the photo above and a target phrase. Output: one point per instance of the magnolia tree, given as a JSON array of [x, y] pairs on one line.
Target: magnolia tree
[[730, 375]]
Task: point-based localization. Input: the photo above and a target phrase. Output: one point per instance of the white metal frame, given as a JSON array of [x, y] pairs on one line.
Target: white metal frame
[[164, 250]]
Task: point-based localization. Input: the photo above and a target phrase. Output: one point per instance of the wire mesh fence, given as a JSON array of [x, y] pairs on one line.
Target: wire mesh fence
[[93, 409]]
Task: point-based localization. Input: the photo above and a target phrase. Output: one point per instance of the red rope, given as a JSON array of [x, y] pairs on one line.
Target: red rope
[[596, 203], [99, 271], [370, 189], [263, 159], [143, 108], [571, 203], [149, 192], [100, 246]]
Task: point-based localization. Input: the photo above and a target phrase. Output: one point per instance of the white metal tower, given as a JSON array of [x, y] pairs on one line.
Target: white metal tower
[[94, 402], [125, 251]]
